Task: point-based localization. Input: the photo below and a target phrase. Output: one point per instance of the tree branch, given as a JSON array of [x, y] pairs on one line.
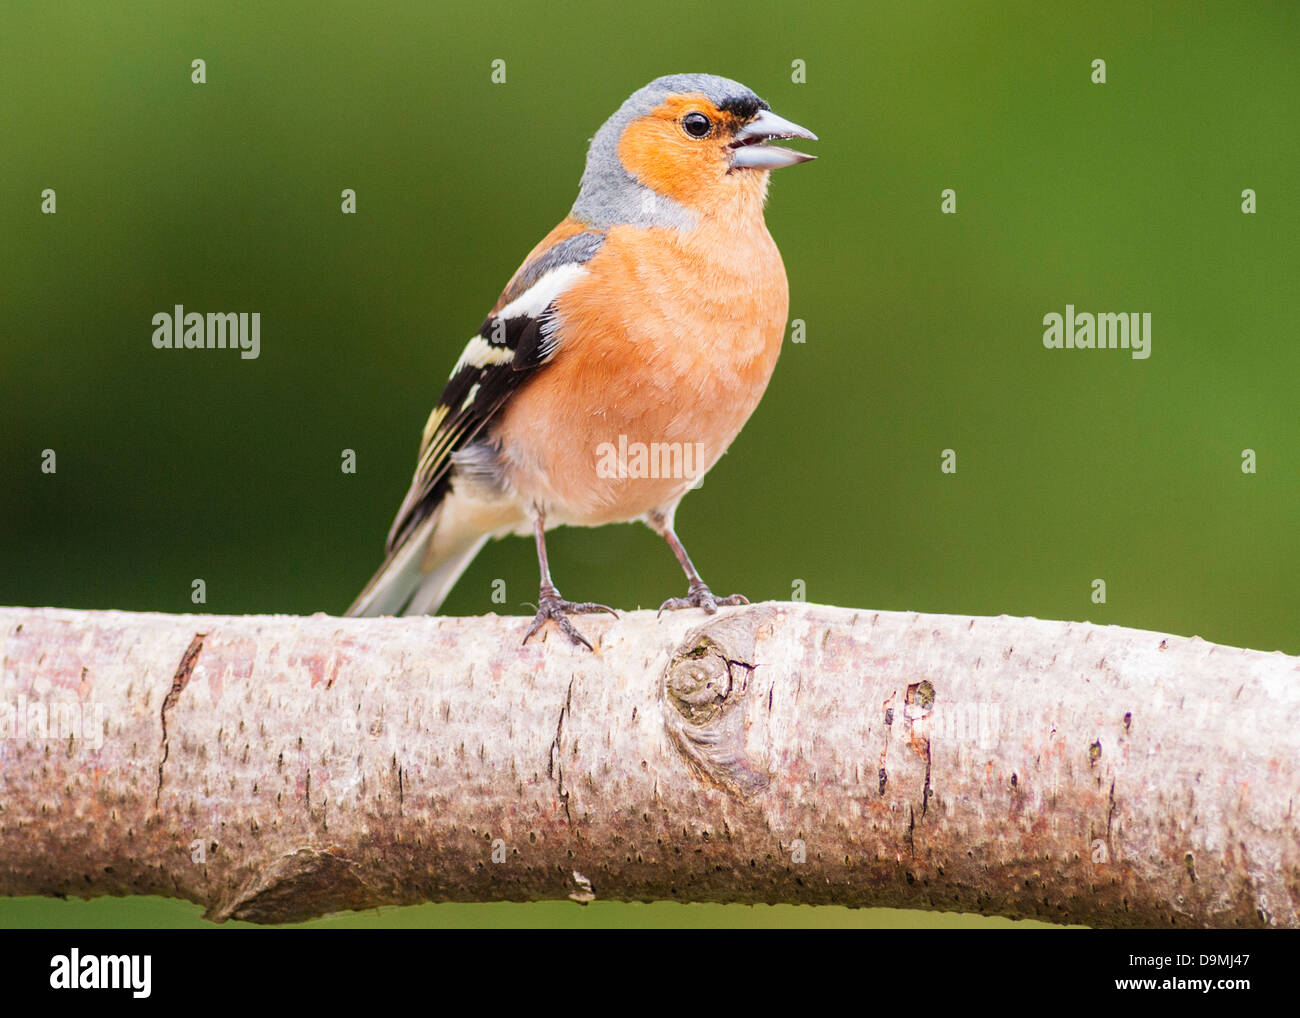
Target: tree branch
[[277, 768]]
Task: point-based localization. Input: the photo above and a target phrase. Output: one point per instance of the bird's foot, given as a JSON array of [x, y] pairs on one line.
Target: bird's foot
[[700, 596], [553, 607]]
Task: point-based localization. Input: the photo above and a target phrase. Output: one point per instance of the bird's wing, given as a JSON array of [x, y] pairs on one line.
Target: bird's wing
[[517, 339]]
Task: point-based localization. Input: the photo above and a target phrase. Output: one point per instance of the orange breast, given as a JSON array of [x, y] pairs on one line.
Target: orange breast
[[667, 345]]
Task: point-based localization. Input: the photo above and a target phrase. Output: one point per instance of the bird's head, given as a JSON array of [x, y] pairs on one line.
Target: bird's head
[[685, 145]]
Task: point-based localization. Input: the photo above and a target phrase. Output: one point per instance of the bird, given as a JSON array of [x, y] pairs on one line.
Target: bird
[[621, 359]]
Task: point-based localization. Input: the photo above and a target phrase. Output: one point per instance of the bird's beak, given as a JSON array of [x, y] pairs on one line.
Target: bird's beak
[[749, 152]]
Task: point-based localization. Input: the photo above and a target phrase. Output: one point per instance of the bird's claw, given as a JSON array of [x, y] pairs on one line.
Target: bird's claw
[[556, 609], [700, 596]]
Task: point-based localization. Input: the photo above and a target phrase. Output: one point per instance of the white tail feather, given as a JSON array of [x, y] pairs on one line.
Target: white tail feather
[[400, 587], [436, 585]]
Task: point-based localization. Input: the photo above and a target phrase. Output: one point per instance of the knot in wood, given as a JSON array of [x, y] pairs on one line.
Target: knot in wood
[[699, 682], [707, 708]]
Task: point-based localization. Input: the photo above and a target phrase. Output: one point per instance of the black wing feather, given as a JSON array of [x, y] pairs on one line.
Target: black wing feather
[[463, 410], [516, 348]]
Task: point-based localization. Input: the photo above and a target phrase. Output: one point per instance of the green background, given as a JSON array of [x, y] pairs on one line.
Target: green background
[[923, 330]]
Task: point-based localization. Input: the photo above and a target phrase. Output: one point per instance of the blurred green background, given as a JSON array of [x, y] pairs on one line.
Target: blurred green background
[[923, 330]]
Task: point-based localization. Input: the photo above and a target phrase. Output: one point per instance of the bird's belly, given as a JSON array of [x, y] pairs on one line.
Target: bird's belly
[[643, 397], [625, 453]]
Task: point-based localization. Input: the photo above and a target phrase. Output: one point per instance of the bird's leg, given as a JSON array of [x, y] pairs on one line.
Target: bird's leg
[[698, 594], [549, 603]]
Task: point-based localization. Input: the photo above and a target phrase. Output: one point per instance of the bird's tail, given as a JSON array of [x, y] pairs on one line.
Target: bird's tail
[[408, 585]]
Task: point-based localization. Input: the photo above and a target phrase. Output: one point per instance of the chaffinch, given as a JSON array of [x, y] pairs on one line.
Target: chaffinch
[[622, 358]]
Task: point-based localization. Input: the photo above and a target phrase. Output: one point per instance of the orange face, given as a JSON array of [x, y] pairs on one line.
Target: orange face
[[681, 149]]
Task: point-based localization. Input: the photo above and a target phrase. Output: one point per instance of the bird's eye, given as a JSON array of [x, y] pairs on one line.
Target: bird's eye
[[697, 125]]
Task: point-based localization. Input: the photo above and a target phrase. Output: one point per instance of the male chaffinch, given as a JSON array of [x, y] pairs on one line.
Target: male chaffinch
[[622, 358]]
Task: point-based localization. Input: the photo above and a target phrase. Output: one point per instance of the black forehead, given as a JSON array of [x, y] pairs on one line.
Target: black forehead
[[743, 106]]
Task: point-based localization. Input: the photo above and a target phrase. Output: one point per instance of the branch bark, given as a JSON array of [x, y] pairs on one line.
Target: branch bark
[[278, 768]]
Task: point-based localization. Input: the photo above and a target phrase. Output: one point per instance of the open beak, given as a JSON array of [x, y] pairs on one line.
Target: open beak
[[749, 151]]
